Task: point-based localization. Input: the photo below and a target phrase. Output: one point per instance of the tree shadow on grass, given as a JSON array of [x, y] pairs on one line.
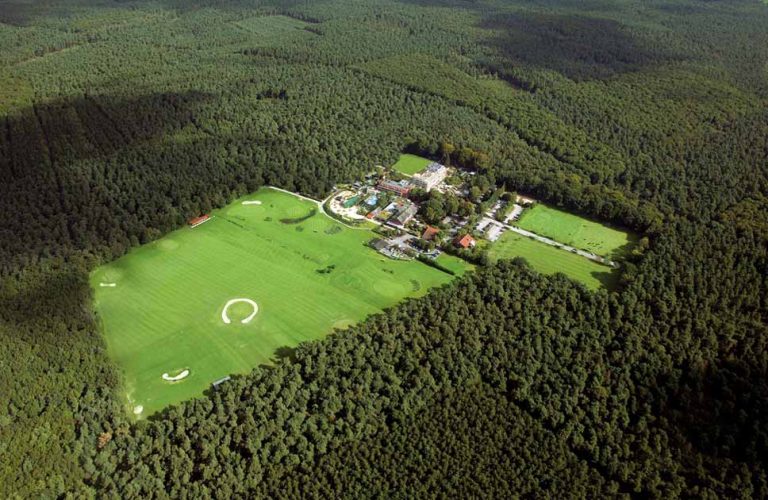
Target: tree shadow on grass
[[626, 249], [285, 353], [609, 279]]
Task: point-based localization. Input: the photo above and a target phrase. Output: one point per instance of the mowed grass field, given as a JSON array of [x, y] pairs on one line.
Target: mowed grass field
[[576, 231], [308, 275], [547, 259], [411, 164]]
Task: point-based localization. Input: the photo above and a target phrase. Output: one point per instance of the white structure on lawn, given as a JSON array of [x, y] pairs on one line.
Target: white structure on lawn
[[430, 177]]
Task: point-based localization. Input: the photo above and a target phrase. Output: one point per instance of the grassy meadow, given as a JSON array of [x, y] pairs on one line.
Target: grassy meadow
[[411, 164], [161, 305], [547, 259], [576, 231]]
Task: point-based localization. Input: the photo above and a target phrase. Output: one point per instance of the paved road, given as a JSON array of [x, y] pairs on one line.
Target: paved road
[[320, 205], [297, 195], [589, 255]]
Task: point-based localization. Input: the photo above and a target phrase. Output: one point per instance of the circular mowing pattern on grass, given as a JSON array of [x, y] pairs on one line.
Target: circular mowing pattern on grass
[[346, 279], [167, 244], [225, 316]]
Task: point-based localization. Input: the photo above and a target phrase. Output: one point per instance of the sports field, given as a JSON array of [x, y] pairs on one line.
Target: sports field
[[411, 164], [576, 231], [163, 305], [549, 260]]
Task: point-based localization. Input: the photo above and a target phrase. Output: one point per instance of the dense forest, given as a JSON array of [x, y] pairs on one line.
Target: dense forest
[[121, 118]]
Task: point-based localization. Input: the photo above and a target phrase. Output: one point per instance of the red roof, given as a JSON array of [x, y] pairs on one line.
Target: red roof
[[465, 241], [429, 233], [197, 220]]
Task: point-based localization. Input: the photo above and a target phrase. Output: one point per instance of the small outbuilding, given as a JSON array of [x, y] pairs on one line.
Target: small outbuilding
[[196, 221], [429, 233], [217, 383], [379, 244], [466, 241]]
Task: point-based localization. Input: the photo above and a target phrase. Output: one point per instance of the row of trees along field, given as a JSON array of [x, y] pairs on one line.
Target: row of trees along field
[[118, 121]]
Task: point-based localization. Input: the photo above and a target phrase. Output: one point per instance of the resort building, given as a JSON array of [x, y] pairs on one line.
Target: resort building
[[430, 177], [404, 215], [402, 188]]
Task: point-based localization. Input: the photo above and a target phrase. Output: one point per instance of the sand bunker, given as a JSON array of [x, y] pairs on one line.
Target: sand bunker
[[182, 375], [225, 316], [110, 285], [252, 202], [138, 409]]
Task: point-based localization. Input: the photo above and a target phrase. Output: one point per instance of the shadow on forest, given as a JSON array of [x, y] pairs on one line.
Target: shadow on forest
[[22, 13], [86, 126], [44, 297], [721, 410], [579, 47], [41, 171]]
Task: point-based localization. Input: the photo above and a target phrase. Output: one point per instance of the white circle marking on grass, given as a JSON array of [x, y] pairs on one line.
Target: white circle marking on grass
[[180, 376], [225, 316]]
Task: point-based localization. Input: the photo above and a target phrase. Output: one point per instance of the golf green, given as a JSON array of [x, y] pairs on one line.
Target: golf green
[[576, 231], [162, 306], [411, 164]]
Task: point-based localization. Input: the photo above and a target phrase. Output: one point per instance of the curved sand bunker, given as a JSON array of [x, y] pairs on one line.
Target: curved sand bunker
[[252, 202], [225, 316], [182, 375]]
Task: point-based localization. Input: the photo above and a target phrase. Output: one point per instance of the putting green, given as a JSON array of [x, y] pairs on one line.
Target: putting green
[[411, 164], [576, 231], [165, 311]]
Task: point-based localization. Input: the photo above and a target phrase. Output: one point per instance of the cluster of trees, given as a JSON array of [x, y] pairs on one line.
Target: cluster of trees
[[505, 382]]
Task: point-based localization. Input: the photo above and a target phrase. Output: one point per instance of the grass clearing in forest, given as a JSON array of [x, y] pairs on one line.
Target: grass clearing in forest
[[576, 231], [274, 28], [411, 164], [547, 259], [164, 316]]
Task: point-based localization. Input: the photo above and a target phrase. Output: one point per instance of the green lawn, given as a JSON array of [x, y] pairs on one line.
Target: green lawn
[[450, 262], [411, 164], [576, 231], [164, 313], [549, 260]]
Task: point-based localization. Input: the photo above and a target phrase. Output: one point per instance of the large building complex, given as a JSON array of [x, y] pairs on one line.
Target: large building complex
[[433, 175], [399, 187]]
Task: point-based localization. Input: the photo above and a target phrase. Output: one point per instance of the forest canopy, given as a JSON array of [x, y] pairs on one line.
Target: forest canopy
[[121, 119]]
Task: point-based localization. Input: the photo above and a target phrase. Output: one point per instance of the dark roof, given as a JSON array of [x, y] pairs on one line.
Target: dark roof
[[379, 244]]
